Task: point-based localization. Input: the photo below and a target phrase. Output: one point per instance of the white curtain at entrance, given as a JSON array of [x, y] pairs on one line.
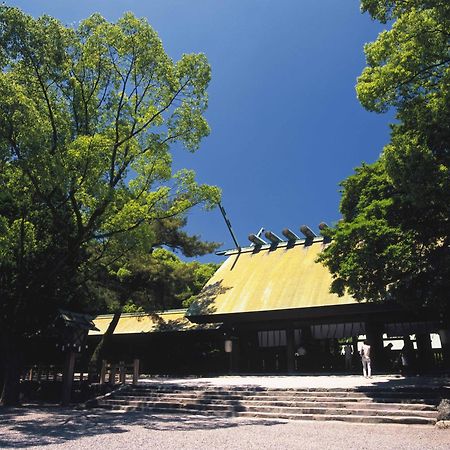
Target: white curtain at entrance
[[272, 338], [337, 330]]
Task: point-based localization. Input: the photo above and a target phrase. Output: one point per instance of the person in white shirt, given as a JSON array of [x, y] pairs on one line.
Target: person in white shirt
[[365, 359]]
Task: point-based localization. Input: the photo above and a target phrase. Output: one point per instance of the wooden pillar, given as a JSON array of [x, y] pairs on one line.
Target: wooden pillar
[[354, 345], [112, 374], [290, 350], [444, 335], [122, 372], [135, 371], [103, 372], [425, 352], [234, 355], [374, 333], [308, 361], [68, 377]]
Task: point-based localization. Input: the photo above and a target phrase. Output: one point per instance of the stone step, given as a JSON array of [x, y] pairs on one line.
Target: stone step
[[332, 397], [354, 405], [274, 408], [353, 418], [308, 401], [297, 393], [341, 411], [283, 416]]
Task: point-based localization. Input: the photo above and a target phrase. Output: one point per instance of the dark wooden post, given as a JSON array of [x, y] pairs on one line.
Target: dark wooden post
[[374, 333], [444, 335], [425, 352], [290, 350], [103, 372], [112, 374], [234, 355], [135, 371], [68, 377], [356, 359], [122, 372], [308, 343]]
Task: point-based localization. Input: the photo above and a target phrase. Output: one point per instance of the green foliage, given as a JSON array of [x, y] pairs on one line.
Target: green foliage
[[393, 241], [87, 119], [154, 279], [370, 251], [130, 307], [409, 62], [162, 281]]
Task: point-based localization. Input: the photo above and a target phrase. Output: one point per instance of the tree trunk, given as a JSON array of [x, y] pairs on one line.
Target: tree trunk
[[10, 351], [96, 358]]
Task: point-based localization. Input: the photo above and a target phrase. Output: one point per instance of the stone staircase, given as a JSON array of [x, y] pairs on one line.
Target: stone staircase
[[367, 405]]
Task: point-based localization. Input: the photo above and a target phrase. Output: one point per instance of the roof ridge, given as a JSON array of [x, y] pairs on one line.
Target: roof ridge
[[272, 246]]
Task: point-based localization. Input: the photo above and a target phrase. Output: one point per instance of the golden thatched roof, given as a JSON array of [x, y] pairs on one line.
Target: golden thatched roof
[[129, 323], [268, 279]]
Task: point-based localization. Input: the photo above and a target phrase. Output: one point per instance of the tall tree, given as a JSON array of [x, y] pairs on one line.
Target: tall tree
[[87, 119], [394, 239]]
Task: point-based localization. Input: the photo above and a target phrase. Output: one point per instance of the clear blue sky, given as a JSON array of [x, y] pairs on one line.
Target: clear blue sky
[[286, 124]]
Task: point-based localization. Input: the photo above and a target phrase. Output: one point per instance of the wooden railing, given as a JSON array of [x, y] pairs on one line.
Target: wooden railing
[[111, 373], [117, 372], [39, 372]]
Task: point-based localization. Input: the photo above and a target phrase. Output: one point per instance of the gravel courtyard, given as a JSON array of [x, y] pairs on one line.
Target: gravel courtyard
[[58, 428]]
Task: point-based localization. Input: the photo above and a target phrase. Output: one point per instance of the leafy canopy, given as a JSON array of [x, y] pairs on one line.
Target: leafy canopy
[[393, 240], [88, 116], [156, 280]]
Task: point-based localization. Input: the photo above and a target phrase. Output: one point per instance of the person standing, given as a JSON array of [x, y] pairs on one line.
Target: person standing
[[365, 359], [388, 360], [348, 355], [300, 354]]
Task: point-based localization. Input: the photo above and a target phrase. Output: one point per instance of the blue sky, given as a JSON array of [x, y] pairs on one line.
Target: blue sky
[[286, 126]]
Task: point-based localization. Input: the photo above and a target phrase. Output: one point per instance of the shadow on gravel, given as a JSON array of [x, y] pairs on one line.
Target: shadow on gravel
[[26, 427], [412, 382], [426, 388]]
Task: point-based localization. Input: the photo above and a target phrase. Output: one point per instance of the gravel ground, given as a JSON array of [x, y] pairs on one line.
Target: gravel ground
[[58, 428], [327, 381]]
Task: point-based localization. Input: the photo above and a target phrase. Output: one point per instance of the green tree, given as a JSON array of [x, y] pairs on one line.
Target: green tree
[[152, 280], [149, 281], [88, 116], [161, 281], [394, 238]]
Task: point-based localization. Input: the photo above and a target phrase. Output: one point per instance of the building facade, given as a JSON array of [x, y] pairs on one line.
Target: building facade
[[278, 315]]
